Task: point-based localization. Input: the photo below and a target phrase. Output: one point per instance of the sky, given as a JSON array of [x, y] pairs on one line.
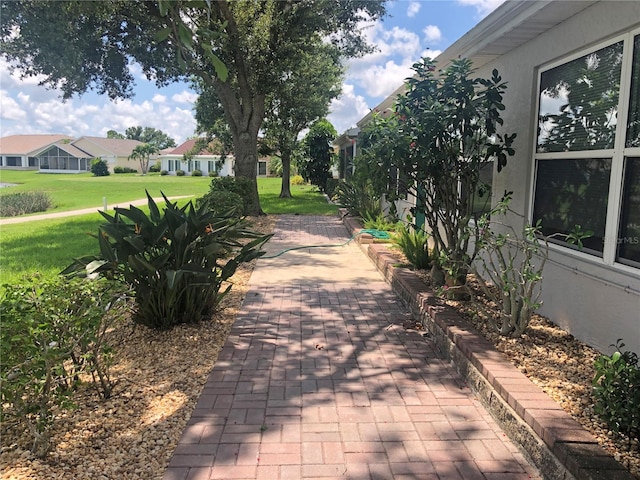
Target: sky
[[412, 29]]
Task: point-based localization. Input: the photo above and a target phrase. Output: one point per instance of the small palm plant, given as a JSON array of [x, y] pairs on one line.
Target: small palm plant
[[176, 261]]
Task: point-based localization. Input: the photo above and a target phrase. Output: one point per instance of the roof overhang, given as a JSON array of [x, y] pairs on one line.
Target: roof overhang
[[509, 26]]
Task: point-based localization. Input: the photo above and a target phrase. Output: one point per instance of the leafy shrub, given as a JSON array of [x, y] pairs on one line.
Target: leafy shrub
[[239, 186], [379, 222], [358, 197], [274, 166], [99, 168], [120, 169], [223, 203], [180, 173], [213, 173], [156, 167], [413, 243], [616, 388], [510, 268], [164, 172], [196, 173], [21, 203], [53, 331], [330, 189], [175, 261], [297, 180]]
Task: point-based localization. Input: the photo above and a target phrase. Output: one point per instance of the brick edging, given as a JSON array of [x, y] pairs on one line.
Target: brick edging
[[554, 442]]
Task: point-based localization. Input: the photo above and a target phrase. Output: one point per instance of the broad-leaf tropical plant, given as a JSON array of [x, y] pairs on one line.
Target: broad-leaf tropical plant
[[176, 261]]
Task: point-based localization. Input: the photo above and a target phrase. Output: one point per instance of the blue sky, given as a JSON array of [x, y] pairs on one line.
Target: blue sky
[[412, 29]]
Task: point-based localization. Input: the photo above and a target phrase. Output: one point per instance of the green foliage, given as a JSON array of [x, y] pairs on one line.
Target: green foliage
[[175, 261], [319, 153], [99, 167], [163, 173], [213, 173], [511, 265], [379, 222], [447, 132], [223, 202], [413, 243], [358, 197], [196, 173], [332, 184], [224, 193], [180, 173], [616, 388], [155, 168], [143, 154], [21, 203], [274, 167], [119, 169], [53, 331]]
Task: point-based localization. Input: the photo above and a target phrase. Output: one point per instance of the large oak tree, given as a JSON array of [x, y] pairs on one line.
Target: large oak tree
[[240, 48]]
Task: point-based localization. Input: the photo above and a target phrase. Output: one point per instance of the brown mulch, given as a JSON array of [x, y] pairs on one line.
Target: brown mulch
[[133, 434]]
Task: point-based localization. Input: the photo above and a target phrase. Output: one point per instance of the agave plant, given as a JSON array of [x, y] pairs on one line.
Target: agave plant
[[176, 261]]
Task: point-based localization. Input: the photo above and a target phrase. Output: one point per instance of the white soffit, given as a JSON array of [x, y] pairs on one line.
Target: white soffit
[[511, 25]]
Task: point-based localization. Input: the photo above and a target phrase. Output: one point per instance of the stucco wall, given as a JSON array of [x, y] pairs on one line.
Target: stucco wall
[[596, 303]]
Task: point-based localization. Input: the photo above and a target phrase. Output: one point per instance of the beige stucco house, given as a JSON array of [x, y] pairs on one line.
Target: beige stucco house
[[566, 63], [63, 154]]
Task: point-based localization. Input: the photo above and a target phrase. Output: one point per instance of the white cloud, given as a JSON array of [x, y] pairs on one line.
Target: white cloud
[[185, 96], [432, 34], [347, 109], [483, 7], [27, 108], [413, 9], [381, 72], [9, 108]]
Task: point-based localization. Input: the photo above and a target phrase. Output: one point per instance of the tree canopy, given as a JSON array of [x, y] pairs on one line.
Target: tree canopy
[[145, 135], [242, 49]]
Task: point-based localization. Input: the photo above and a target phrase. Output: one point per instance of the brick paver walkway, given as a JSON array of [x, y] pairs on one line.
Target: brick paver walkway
[[324, 377]]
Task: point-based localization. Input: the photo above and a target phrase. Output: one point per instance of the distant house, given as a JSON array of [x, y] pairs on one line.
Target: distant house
[[21, 151], [174, 159], [347, 146], [573, 97], [63, 154], [183, 158], [115, 151]]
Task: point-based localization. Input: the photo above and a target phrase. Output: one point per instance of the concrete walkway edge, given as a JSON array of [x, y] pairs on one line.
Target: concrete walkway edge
[[554, 442]]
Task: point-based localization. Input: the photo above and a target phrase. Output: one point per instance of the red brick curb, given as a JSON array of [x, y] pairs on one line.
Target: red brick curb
[[556, 444]]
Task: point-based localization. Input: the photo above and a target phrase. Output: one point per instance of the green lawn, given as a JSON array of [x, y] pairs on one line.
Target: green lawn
[[77, 191], [48, 246]]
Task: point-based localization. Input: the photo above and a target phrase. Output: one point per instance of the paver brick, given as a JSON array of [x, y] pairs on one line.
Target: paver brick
[[321, 379]]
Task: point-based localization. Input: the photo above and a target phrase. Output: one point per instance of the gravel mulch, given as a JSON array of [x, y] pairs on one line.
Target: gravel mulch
[[557, 362], [133, 434]]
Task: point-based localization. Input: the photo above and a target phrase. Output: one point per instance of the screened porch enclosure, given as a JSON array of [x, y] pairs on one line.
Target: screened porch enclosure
[[58, 159]]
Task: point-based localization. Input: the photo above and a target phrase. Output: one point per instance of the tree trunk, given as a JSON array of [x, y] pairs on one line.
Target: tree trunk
[[246, 155], [285, 189], [244, 114]]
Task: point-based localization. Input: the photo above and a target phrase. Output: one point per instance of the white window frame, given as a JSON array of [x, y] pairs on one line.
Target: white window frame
[[617, 155]]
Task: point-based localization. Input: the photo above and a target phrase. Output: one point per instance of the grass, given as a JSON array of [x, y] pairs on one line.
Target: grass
[[83, 190], [48, 246], [306, 199]]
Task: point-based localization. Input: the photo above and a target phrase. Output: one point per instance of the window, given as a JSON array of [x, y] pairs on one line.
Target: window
[[587, 152], [262, 168], [629, 235], [573, 192]]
